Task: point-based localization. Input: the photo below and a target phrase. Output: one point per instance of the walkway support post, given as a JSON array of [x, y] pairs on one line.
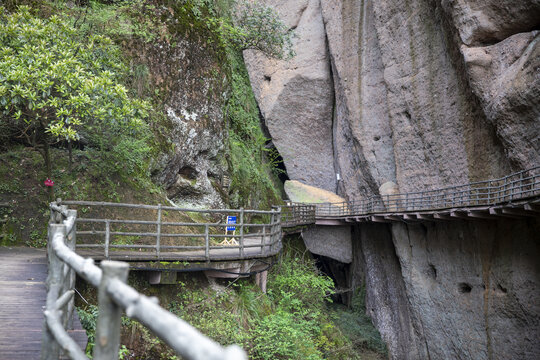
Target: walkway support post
[[110, 314]]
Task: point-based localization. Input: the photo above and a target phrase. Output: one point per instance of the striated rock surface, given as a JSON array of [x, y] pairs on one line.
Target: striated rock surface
[[362, 132], [425, 94], [471, 286], [505, 77]]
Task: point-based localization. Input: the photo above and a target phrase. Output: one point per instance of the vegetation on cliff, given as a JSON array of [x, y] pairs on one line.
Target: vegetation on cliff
[[85, 107]]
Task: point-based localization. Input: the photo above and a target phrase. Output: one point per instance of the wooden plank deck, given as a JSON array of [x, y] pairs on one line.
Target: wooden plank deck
[[23, 272]]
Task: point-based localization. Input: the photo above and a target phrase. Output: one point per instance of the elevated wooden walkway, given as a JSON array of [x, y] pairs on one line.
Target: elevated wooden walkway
[[514, 196], [200, 234], [23, 272], [126, 232]]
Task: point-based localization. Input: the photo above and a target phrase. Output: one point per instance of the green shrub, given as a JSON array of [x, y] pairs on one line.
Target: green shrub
[[297, 285], [283, 336], [88, 318]]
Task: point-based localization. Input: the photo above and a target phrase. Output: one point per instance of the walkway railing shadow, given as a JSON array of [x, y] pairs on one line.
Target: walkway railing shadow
[[114, 296]]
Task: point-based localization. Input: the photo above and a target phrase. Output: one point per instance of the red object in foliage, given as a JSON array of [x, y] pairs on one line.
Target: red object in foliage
[[49, 182]]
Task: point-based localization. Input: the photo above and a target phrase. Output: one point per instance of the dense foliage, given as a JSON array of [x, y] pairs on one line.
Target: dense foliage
[[294, 320], [56, 86], [255, 26]]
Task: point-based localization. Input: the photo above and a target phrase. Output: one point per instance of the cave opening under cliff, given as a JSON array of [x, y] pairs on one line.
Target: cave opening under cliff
[[273, 156], [278, 166], [339, 273]]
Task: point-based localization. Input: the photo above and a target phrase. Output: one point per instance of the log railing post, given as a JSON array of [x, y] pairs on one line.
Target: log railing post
[[50, 348], [69, 280], [110, 314]]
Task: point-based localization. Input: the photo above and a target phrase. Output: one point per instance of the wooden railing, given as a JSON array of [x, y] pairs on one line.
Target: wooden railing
[[297, 215], [518, 186], [265, 234], [114, 296], [192, 240]]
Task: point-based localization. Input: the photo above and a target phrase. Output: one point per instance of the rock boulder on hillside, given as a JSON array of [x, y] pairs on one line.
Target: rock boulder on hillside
[[296, 96]]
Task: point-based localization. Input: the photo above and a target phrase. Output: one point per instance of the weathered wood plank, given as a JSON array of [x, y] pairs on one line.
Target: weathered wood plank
[[23, 272]]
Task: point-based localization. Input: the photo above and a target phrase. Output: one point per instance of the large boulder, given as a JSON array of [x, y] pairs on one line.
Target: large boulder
[[481, 22], [296, 96], [302, 193]]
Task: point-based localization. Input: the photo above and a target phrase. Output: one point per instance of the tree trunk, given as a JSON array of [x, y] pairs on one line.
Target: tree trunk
[[70, 152], [48, 167]]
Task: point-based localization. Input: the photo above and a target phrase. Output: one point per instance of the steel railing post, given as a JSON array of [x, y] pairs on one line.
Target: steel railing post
[[107, 238], [277, 235], [271, 237], [263, 238], [206, 243]]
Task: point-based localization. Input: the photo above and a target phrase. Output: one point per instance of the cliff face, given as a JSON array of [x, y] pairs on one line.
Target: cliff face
[[193, 97], [427, 94]]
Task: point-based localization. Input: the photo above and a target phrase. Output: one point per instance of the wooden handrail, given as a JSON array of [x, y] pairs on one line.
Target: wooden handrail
[[114, 296], [520, 185], [204, 232]]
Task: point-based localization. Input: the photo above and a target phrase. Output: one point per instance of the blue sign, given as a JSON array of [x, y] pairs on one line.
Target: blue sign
[[231, 220]]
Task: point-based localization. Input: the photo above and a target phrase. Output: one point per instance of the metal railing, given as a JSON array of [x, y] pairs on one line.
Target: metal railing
[[114, 296], [161, 239], [297, 215], [517, 186]]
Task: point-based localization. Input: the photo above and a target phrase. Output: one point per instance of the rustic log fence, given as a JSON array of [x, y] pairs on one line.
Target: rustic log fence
[[114, 296], [188, 240], [518, 186]]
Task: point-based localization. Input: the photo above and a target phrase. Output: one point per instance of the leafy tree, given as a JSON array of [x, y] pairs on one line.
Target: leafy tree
[[54, 85], [255, 26]]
